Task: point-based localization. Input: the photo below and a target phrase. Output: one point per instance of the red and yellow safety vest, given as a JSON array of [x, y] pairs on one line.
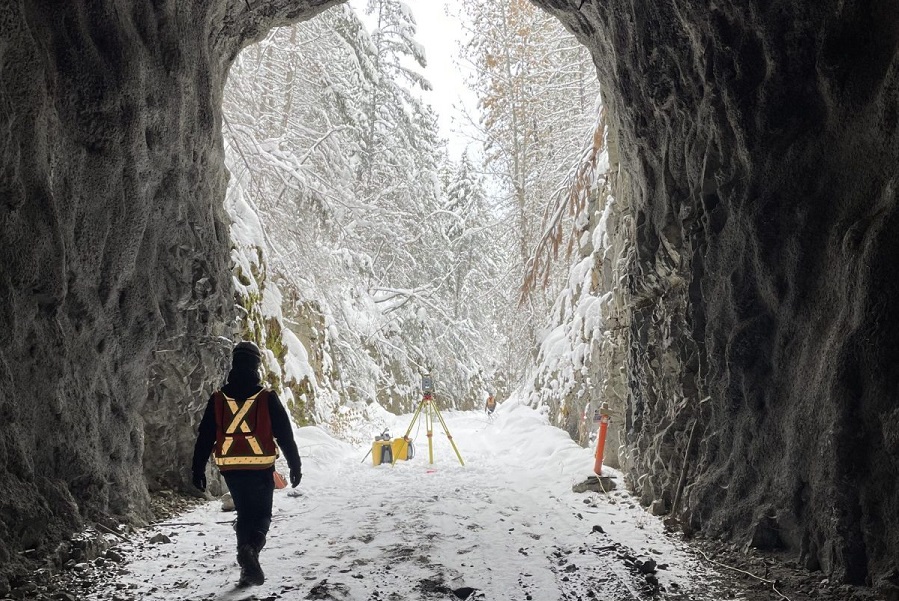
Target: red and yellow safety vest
[[243, 439]]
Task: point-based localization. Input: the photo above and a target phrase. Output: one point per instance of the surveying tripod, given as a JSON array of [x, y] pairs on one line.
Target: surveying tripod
[[428, 408]]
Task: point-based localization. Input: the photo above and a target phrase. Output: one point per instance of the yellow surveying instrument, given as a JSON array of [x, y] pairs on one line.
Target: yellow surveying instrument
[[428, 408]]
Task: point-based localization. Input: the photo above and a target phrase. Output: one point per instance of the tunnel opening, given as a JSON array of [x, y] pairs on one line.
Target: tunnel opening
[[362, 198]]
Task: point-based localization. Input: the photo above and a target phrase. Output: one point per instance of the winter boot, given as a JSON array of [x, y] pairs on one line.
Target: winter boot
[[250, 571], [257, 541]]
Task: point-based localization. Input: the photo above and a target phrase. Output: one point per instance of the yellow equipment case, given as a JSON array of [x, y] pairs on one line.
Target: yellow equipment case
[[381, 452], [401, 451]]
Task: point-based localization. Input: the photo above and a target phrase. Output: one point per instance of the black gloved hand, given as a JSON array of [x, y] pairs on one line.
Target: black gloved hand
[[200, 481], [295, 477]]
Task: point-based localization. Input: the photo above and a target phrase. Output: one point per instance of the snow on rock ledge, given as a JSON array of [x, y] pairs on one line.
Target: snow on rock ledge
[[299, 370]]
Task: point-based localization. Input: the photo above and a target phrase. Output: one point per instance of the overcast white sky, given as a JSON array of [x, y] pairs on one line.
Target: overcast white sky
[[440, 32]]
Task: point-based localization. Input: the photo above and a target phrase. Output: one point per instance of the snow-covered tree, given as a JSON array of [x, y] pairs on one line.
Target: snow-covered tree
[[338, 156], [536, 88]]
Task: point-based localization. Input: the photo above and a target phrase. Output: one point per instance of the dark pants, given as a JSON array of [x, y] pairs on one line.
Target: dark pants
[[252, 493]]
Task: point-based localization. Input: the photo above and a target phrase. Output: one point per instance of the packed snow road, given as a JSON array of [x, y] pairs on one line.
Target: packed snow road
[[506, 526]]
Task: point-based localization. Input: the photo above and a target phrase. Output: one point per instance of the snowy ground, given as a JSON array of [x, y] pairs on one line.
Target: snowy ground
[[504, 527]]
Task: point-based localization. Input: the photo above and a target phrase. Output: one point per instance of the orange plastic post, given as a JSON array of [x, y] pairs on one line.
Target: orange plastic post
[[601, 438]]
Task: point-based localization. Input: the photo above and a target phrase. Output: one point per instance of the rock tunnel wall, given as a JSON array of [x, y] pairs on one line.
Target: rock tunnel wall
[[761, 141], [114, 268]]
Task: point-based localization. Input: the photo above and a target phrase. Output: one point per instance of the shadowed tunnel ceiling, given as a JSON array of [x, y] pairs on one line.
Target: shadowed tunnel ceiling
[[759, 149]]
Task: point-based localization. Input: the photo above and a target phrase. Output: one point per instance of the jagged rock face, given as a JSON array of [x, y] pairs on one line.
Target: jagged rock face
[[114, 262], [761, 141]]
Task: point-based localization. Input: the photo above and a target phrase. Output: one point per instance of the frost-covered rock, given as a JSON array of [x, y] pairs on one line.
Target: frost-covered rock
[[298, 369], [580, 364]]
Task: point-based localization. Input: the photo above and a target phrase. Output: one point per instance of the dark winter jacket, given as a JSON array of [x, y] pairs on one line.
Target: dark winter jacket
[[243, 384]]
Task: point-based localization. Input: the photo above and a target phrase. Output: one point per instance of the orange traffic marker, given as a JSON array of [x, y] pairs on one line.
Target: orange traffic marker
[[601, 438]]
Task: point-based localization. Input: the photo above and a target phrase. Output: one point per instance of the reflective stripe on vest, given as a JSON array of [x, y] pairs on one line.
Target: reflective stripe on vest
[[263, 461], [254, 457]]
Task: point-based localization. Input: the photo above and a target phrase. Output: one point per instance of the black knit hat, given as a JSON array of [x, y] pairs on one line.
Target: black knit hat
[[246, 353]]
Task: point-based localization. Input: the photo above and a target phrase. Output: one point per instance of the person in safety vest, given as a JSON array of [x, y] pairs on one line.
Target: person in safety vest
[[491, 405], [241, 424]]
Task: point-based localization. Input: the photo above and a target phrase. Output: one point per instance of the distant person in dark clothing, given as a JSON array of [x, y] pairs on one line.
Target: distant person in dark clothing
[[241, 424]]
